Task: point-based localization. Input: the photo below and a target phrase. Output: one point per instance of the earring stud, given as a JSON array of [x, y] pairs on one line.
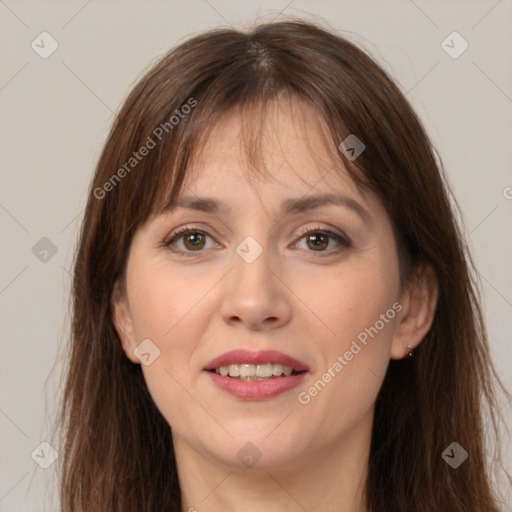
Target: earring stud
[[409, 352]]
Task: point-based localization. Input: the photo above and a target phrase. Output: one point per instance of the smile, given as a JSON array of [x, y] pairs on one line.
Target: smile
[[254, 372]]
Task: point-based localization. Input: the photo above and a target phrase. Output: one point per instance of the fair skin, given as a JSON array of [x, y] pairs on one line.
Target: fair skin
[[308, 302]]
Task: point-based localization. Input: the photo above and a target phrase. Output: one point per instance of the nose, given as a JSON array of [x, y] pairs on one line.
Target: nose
[[254, 295]]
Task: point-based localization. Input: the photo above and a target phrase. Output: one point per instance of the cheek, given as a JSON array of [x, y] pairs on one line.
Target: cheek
[[152, 308], [350, 298], [358, 318], [163, 311], [161, 300], [169, 309]]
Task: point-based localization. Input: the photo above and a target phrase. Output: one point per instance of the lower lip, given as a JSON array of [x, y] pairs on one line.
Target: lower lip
[[259, 389]]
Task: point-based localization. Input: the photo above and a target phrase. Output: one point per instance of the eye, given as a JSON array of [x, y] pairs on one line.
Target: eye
[[194, 240], [318, 239]]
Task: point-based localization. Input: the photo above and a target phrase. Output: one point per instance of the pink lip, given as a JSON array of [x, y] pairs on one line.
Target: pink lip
[[257, 390], [261, 357]]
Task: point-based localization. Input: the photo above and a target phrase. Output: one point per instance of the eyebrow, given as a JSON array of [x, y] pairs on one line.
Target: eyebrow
[[288, 206]]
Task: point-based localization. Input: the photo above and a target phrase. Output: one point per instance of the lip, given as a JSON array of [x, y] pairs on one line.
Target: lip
[[257, 390], [261, 357]]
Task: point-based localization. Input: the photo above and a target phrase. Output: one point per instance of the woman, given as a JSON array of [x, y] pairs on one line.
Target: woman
[[273, 305]]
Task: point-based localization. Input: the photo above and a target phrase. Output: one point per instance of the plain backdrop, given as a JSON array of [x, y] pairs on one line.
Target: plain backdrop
[[56, 112]]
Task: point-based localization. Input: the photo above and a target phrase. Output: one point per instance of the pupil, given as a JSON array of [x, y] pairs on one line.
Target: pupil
[[318, 240], [191, 237]]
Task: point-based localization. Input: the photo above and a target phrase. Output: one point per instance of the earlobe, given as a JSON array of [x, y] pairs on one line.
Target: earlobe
[[419, 302], [122, 321]]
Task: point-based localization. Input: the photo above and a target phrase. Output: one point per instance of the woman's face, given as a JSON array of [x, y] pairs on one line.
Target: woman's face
[[248, 278]]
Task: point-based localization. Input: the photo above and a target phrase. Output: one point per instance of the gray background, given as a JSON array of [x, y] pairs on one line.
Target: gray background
[[56, 113]]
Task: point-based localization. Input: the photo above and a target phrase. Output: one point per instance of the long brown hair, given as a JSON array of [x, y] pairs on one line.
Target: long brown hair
[[117, 452]]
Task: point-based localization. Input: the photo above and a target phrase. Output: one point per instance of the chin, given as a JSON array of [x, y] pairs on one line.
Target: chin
[[255, 447], [252, 456]]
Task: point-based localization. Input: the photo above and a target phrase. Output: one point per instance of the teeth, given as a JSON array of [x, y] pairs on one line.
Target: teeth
[[264, 370], [277, 369], [232, 369], [246, 371]]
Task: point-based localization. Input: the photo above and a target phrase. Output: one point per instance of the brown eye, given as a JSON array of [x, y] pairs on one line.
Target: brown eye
[[194, 241], [187, 241], [317, 241]]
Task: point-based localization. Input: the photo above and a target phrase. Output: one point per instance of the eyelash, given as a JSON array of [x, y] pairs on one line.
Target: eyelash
[[180, 233]]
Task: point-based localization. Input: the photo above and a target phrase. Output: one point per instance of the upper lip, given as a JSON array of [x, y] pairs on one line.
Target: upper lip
[[261, 357]]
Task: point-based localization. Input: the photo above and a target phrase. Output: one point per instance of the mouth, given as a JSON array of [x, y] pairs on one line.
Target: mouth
[[262, 375], [255, 372], [245, 364], [248, 387]]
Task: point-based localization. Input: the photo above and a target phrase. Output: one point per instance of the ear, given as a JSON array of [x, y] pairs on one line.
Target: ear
[[419, 302], [122, 320]]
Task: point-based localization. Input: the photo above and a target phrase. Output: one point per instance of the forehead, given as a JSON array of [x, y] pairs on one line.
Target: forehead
[[283, 145]]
